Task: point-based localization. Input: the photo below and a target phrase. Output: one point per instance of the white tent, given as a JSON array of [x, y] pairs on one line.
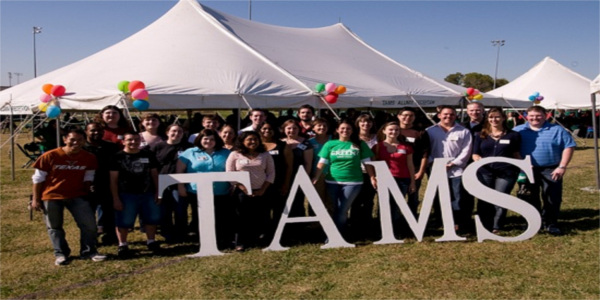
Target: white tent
[[595, 85], [561, 87], [194, 57], [490, 100]]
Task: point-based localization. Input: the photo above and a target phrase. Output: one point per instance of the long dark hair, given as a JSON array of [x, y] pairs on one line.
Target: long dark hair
[[276, 130], [354, 138], [241, 148], [487, 127], [122, 120], [208, 132]]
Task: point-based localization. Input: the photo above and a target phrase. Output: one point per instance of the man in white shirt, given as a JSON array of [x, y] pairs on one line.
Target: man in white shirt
[[257, 117], [453, 141]]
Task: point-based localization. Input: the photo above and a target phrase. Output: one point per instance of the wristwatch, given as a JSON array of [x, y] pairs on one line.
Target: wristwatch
[[562, 167]]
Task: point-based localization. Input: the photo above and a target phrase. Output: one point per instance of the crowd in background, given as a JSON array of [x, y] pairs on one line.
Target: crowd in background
[[122, 181]]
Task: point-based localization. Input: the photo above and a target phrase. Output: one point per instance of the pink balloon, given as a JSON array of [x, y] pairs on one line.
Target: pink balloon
[[139, 94], [330, 87], [475, 92], [45, 98], [58, 90], [540, 98]]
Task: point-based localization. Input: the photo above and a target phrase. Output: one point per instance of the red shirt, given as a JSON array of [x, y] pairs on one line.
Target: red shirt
[[65, 173], [114, 135], [397, 162]]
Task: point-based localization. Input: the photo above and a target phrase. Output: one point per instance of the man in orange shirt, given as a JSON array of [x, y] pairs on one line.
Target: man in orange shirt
[[62, 178]]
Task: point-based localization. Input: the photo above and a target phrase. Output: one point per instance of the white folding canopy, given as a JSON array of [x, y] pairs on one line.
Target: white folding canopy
[[561, 87], [194, 57]]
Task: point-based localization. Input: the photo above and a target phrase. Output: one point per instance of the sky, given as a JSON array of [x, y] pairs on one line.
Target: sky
[[435, 38]]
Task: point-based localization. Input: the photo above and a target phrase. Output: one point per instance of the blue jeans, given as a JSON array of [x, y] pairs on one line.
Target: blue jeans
[[413, 198], [492, 216], [403, 185], [82, 212], [134, 204], [462, 203], [551, 194], [342, 196]]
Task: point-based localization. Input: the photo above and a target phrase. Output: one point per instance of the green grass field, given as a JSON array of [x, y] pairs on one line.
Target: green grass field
[[544, 267]]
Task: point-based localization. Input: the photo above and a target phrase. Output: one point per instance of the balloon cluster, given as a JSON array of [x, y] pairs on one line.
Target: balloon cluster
[[137, 90], [333, 91], [473, 94], [536, 98], [49, 98]]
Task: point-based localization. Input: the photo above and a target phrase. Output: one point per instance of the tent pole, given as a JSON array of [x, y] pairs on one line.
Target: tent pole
[[12, 145], [595, 138], [58, 131]]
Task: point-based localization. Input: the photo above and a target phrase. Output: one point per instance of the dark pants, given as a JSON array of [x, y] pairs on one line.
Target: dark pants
[[105, 211], [174, 215], [551, 194], [250, 212], [361, 214]]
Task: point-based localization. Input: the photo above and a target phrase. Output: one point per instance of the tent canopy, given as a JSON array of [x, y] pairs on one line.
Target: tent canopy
[[561, 87], [595, 85], [194, 57]]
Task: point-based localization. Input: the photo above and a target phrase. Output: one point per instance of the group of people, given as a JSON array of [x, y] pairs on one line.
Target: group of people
[[107, 174]]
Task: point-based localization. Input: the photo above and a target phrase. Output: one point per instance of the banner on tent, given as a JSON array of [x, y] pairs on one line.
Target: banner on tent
[[16, 110], [402, 103], [437, 185]]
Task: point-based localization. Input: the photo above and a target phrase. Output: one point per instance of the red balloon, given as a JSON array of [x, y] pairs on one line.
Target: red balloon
[[331, 98], [470, 91], [58, 90], [135, 85]]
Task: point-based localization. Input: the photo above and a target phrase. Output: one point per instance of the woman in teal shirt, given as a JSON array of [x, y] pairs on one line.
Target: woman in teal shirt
[[344, 157], [208, 156]]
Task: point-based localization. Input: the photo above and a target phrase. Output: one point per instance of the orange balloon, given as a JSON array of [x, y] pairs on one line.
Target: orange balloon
[[47, 88], [340, 89]]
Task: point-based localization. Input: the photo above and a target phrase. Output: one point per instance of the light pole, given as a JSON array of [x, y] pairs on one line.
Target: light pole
[[36, 30], [250, 10], [498, 43]]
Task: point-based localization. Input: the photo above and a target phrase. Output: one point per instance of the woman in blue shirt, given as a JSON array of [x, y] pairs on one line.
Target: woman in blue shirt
[[495, 139], [209, 156]]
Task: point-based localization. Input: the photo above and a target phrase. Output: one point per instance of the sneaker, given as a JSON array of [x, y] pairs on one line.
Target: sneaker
[[123, 252], [154, 246], [553, 230], [61, 261], [97, 257]]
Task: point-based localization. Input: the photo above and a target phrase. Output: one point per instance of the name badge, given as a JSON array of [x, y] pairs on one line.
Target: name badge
[[143, 144], [203, 158], [274, 152], [144, 160], [119, 137], [401, 151], [301, 147], [505, 142], [453, 138], [410, 139], [244, 161]]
